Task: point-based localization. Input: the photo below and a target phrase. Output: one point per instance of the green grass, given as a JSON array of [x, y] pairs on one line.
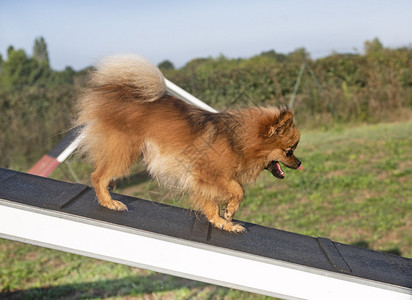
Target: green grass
[[30, 272], [355, 189]]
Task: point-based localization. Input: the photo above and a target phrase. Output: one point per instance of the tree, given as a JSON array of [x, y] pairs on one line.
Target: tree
[[298, 55], [374, 46], [17, 68], [279, 57], [40, 50], [166, 65], [10, 50], [20, 70]]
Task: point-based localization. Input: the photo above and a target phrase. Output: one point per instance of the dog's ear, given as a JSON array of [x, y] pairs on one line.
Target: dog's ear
[[283, 123]]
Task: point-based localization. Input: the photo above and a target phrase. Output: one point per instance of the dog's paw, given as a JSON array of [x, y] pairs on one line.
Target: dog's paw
[[228, 226], [236, 228], [115, 205]]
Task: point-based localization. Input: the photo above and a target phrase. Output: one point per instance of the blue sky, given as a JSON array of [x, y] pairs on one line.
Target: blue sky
[[78, 33]]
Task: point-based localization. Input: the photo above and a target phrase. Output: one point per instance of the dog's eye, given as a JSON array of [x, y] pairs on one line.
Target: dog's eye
[[289, 153]]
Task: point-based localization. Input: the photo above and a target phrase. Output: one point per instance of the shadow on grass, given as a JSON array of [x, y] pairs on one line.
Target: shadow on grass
[[364, 244], [131, 286]]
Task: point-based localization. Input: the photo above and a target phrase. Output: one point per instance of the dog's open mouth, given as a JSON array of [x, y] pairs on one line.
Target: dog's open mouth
[[276, 170]]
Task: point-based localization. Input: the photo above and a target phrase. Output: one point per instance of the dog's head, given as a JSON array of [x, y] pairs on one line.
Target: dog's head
[[282, 137]]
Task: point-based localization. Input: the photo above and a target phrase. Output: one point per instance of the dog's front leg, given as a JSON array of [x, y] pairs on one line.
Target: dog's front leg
[[211, 210], [236, 193]]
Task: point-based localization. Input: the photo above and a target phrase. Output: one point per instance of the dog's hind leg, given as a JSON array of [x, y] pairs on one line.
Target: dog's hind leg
[[101, 179], [115, 163]]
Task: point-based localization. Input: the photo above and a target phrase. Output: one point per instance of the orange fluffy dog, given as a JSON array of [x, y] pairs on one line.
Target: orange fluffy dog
[[126, 114]]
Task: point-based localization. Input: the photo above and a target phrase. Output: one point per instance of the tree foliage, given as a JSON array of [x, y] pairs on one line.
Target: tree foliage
[[373, 46], [166, 65], [36, 104], [40, 51], [369, 87]]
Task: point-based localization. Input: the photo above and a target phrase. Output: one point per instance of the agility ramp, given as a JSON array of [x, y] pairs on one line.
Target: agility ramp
[[171, 240]]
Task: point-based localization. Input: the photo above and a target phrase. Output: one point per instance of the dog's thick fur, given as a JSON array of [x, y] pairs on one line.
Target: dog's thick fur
[[126, 114]]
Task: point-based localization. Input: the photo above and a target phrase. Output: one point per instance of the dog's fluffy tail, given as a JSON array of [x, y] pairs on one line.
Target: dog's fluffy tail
[[116, 81], [128, 77]]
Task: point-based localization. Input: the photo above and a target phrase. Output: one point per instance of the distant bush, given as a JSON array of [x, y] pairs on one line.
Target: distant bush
[[370, 87], [36, 105], [37, 102]]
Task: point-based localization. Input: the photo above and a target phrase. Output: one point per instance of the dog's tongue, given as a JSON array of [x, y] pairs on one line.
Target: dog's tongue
[[280, 169], [301, 167]]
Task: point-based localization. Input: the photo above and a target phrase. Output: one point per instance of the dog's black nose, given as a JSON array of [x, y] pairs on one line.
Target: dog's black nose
[[298, 162]]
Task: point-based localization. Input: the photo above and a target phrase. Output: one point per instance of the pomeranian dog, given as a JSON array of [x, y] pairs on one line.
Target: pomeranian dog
[[126, 114]]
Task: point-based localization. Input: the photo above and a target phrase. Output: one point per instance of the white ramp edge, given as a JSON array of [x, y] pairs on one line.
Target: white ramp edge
[[184, 258]]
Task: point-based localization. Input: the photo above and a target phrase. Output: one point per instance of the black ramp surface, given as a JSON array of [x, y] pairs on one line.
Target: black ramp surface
[[319, 253]]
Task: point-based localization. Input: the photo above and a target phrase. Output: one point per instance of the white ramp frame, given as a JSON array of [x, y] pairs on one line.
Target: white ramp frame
[[178, 92], [184, 258]]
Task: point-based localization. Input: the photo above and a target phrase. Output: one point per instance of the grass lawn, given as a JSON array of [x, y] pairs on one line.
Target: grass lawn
[[355, 189]]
